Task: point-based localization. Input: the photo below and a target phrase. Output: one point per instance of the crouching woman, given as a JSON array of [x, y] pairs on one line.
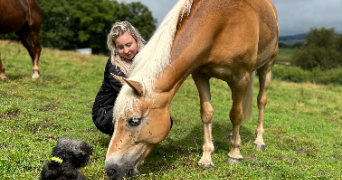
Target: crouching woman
[[124, 42]]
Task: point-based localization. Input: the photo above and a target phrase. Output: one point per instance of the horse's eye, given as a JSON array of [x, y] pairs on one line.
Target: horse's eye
[[134, 121]]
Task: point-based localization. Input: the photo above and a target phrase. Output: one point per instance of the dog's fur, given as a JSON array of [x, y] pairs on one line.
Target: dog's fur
[[74, 153]]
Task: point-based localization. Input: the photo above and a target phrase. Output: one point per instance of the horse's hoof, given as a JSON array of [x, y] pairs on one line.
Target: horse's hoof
[[206, 166], [2, 75], [35, 76], [234, 160], [260, 147]]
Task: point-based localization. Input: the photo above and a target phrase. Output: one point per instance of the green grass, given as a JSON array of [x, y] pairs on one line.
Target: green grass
[[303, 124]]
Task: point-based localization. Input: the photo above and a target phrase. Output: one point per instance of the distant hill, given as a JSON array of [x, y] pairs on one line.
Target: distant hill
[[298, 37]]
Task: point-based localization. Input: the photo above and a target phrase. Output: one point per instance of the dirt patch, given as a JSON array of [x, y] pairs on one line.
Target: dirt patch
[[10, 115], [228, 175], [49, 107], [41, 126], [3, 92], [337, 156], [4, 146], [48, 137], [250, 157]]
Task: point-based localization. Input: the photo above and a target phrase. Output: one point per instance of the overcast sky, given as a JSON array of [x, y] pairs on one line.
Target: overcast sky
[[295, 16]]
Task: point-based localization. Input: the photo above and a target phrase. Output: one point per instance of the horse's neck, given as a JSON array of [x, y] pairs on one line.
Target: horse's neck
[[173, 77], [184, 54]]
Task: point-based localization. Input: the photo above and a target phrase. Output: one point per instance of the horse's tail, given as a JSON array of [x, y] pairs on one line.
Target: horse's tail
[[247, 103]]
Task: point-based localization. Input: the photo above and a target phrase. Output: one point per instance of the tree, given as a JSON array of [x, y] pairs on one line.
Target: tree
[[324, 38], [55, 29], [91, 21], [139, 16], [320, 50], [72, 24], [339, 43]]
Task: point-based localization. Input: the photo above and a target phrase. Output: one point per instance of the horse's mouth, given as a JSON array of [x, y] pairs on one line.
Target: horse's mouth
[[120, 167], [117, 174], [132, 172], [112, 175]]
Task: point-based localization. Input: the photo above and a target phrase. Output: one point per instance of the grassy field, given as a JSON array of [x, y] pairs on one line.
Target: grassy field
[[303, 124], [285, 55]]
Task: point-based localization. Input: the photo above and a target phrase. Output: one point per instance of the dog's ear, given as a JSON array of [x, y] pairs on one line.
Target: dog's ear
[[83, 152], [61, 145], [82, 149], [87, 149]]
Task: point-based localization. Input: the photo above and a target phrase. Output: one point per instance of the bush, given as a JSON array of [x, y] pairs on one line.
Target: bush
[[296, 74], [322, 51], [314, 57]]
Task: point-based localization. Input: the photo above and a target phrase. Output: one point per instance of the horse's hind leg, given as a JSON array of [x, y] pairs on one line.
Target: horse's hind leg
[[239, 88], [37, 49], [31, 42], [264, 74], [203, 86]]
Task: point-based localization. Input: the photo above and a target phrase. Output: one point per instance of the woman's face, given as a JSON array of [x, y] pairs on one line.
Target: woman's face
[[126, 45]]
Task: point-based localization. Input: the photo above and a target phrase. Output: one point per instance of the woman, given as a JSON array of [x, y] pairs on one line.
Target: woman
[[124, 42]]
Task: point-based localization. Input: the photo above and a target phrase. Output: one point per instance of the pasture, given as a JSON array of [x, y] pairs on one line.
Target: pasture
[[285, 55], [303, 124]]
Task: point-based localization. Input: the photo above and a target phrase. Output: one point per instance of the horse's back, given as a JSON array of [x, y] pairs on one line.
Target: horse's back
[[15, 13], [24, 17], [268, 31], [229, 35], [247, 22], [36, 16]]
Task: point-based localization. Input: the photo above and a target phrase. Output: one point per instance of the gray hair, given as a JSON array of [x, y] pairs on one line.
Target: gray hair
[[118, 29]]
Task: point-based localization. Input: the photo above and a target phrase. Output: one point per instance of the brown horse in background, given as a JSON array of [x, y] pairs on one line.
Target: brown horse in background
[[24, 17], [225, 39]]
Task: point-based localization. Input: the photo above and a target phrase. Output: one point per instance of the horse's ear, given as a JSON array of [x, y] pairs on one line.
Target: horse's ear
[[136, 86], [119, 78]]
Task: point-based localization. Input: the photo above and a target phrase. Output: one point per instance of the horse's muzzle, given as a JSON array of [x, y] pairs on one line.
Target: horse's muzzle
[[118, 172]]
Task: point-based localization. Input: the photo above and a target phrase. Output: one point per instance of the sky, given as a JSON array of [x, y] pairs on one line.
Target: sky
[[294, 16]]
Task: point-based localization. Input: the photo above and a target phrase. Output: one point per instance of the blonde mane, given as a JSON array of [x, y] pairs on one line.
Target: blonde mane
[[150, 62]]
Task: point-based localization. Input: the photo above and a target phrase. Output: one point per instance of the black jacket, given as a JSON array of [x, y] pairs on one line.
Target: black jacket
[[102, 112]]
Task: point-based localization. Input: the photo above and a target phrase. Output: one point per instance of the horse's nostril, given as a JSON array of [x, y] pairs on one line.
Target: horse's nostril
[[130, 173], [111, 172]]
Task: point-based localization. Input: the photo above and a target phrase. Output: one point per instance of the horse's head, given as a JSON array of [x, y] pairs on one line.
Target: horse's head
[[137, 131]]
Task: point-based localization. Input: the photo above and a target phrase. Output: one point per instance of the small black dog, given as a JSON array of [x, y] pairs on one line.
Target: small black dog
[[68, 156]]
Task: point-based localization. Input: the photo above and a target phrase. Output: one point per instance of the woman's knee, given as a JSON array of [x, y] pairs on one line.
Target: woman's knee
[[104, 121]]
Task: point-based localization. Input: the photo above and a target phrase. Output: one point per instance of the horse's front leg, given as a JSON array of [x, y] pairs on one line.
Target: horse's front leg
[[239, 87], [207, 115], [2, 70]]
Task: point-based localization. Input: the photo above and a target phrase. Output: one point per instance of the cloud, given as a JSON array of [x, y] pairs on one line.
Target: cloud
[[159, 8], [298, 16], [295, 16]]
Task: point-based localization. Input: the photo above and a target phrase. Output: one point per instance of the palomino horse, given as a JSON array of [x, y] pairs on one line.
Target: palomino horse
[[23, 17], [226, 39]]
